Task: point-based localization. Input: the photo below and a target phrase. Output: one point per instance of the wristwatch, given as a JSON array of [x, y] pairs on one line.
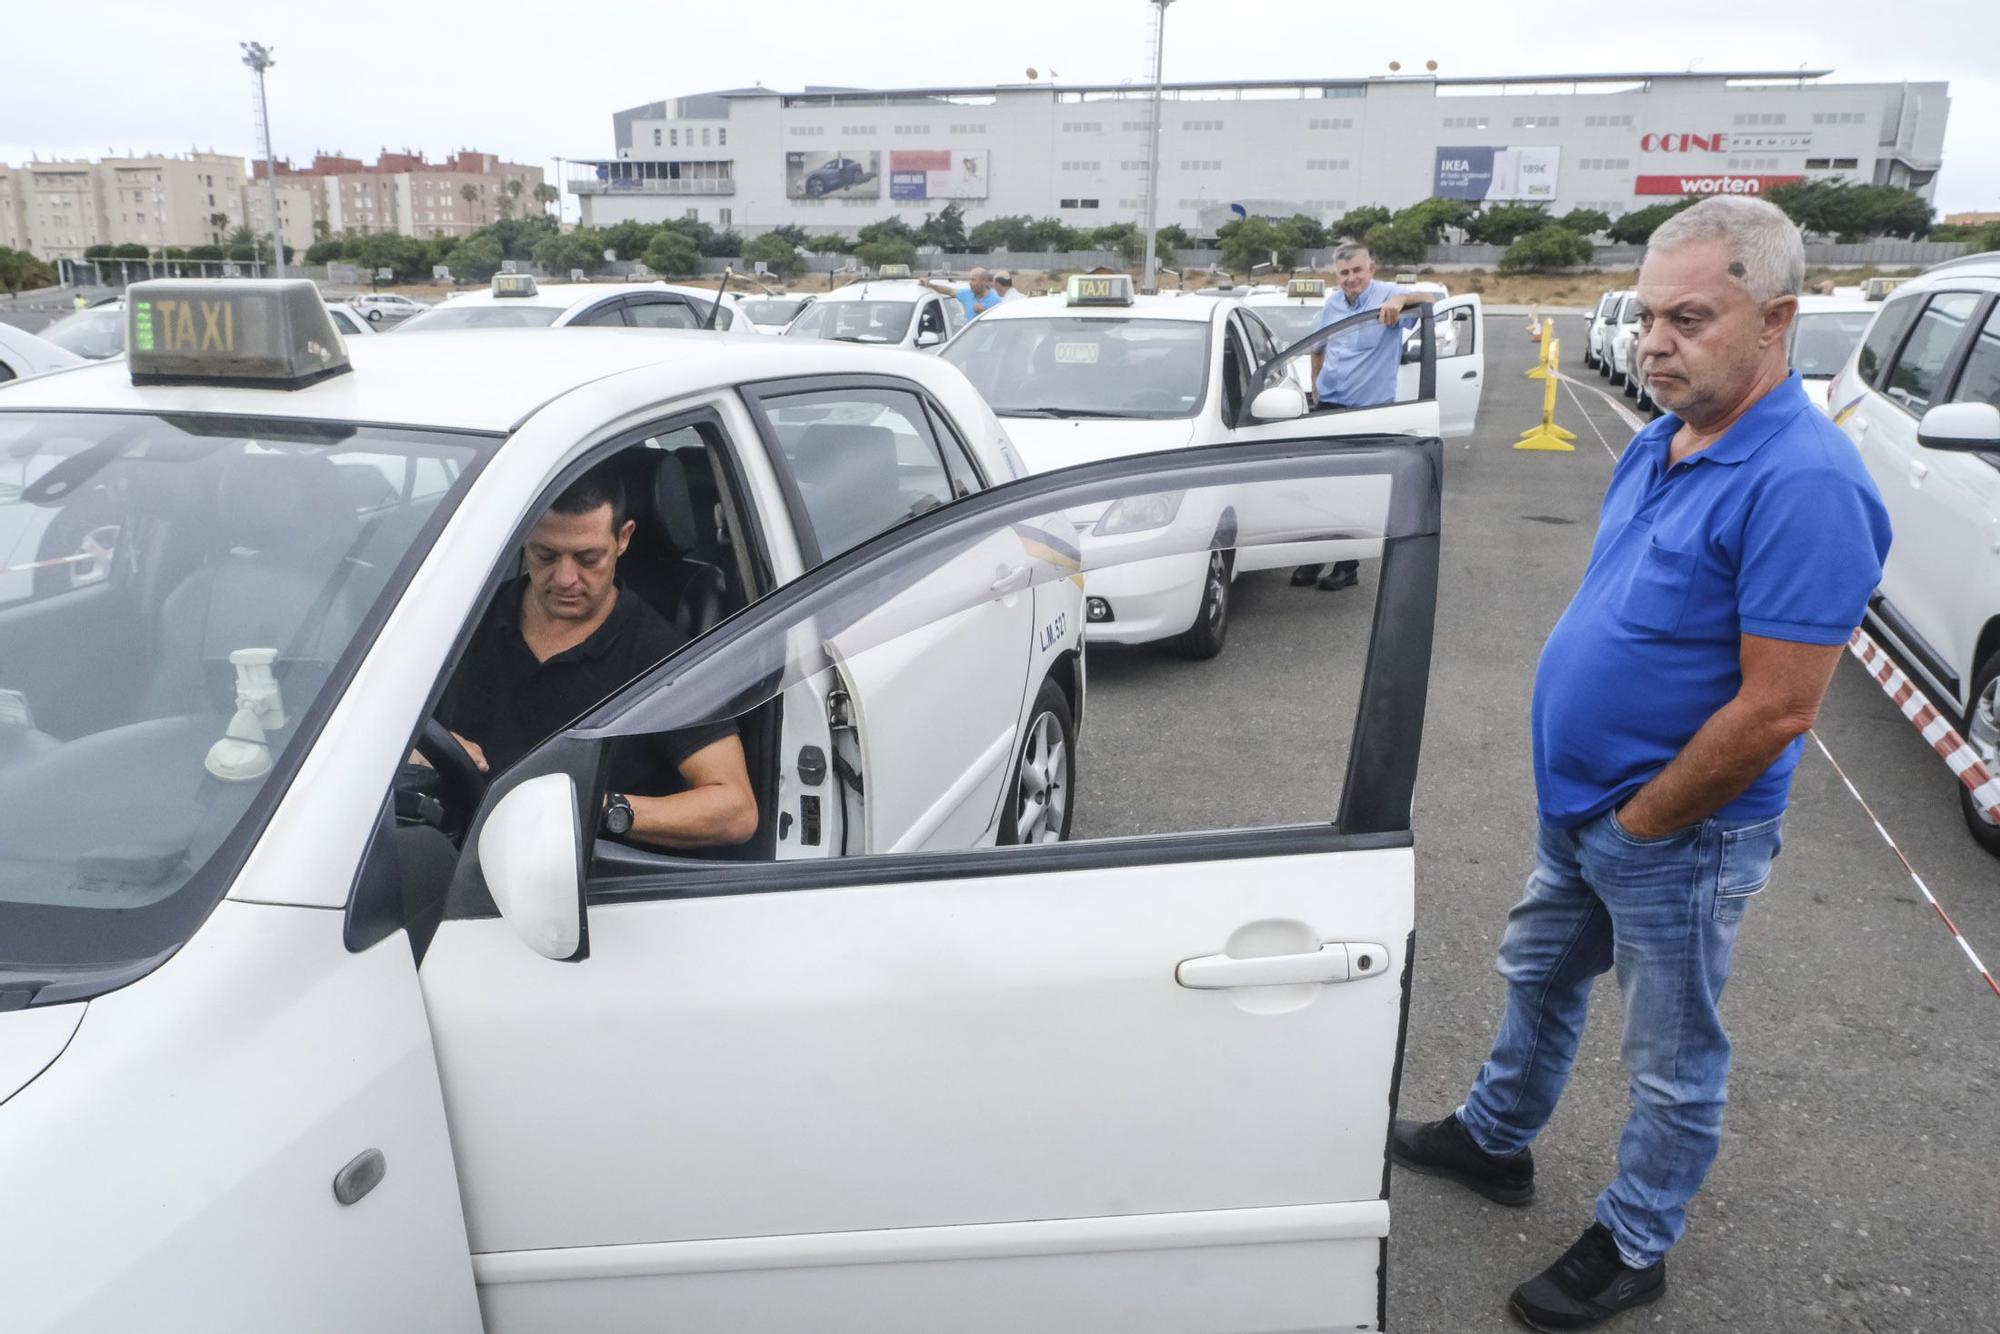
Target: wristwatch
[[617, 815]]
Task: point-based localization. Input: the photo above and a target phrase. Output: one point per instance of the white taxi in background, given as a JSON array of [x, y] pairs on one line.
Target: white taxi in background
[[1825, 334], [521, 301], [298, 1037], [1101, 372], [890, 310]]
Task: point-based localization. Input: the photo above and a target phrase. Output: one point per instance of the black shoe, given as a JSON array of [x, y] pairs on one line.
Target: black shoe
[[1306, 574], [1444, 1149], [1345, 575], [1586, 1287]]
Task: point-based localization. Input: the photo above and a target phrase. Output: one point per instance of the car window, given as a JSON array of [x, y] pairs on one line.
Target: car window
[[932, 320], [1979, 382], [6, 373], [1073, 366], [854, 321], [954, 316], [1289, 323], [1455, 333], [771, 311], [1822, 340], [96, 333], [663, 315], [1918, 375], [860, 461], [1263, 346], [480, 317], [965, 478], [1888, 330], [605, 315]]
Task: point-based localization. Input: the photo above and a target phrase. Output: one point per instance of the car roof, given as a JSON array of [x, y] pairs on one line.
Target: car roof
[[562, 296], [1812, 303], [879, 289], [477, 380], [1191, 308]]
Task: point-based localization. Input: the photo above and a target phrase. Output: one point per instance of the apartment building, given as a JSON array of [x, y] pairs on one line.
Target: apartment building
[[401, 192]]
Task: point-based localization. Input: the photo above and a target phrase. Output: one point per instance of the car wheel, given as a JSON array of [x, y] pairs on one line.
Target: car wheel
[[815, 187], [374, 317], [1642, 398], [1204, 638], [1604, 366], [1039, 805], [1617, 376], [1982, 731]]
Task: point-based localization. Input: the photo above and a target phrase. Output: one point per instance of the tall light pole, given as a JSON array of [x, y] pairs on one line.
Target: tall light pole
[[259, 58], [1149, 275]]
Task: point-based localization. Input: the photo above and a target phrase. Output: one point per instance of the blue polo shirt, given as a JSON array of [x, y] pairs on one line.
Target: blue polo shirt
[[1774, 530], [977, 305], [1360, 366]]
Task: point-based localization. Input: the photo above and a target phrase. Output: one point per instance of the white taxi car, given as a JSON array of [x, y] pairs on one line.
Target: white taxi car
[[348, 320], [1825, 334], [23, 354], [1101, 372], [1619, 337], [891, 312], [387, 307], [288, 1045], [520, 301], [1593, 331], [770, 313], [1921, 400]]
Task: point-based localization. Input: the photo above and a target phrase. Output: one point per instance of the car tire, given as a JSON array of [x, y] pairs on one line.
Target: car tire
[[374, 317], [1204, 639], [1642, 399], [815, 187], [1617, 376], [1982, 720], [1044, 774], [1604, 366]]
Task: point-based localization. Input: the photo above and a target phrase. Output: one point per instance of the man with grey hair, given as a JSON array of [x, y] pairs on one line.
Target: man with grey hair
[[1738, 543], [1357, 368]]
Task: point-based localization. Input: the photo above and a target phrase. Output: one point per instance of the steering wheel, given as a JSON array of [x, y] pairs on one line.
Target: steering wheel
[[464, 784]]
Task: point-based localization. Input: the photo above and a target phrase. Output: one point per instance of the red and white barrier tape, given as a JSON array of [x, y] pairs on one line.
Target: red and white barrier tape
[[1947, 743], [1950, 746]]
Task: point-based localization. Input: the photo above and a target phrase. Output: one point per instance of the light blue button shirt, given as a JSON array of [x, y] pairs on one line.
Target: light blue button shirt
[[1360, 366]]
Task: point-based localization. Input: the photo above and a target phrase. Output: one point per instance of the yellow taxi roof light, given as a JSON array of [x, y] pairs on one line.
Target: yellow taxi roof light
[[257, 333], [513, 284], [892, 271], [1100, 289], [1306, 287]]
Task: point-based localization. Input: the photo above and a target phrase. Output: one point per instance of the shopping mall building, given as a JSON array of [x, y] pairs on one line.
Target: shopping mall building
[[834, 159]]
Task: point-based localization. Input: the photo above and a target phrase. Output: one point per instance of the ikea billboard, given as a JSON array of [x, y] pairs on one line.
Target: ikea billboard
[[1485, 172]]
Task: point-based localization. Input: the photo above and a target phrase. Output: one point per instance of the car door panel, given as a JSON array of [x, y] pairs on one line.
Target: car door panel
[[1461, 365], [991, 1070]]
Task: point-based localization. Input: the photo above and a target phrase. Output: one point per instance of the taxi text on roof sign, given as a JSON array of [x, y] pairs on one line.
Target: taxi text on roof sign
[[513, 284], [269, 334], [1306, 287], [1100, 289], [893, 271]]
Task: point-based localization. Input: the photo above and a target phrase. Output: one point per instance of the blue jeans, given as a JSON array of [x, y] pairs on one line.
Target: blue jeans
[[1664, 912]]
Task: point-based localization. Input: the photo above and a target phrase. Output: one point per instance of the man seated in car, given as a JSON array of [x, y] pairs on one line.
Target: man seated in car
[[565, 636]]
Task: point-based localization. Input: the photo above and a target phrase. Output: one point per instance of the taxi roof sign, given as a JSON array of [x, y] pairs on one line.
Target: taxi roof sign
[[892, 271], [1306, 287], [513, 284], [257, 333], [1100, 289]]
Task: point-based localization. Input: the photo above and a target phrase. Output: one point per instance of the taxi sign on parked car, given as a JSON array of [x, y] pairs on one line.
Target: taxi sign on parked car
[[1306, 287], [1100, 289], [513, 284], [893, 271], [275, 334]]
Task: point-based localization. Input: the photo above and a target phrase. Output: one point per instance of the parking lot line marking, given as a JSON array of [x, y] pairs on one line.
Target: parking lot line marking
[[1588, 419], [1625, 414], [1922, 888]]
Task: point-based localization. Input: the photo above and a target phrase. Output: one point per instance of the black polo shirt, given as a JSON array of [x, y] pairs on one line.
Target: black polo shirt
[[508, 702]]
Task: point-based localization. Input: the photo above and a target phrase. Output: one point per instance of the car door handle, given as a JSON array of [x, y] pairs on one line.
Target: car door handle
[[1919, 469], [1861, 426], [1470, 375], [1334, 961], [1014, 580]]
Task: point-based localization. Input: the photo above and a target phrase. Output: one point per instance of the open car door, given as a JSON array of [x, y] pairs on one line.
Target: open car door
[[1460, 330], [1142, 1083]]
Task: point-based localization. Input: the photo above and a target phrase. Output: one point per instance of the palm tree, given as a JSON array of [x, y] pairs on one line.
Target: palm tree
[[546, 194]]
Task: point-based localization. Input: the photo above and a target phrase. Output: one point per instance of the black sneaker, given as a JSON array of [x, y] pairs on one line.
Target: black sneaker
[[1444, 1149], [1306, 574], [1590, 1284], [1345, 575]]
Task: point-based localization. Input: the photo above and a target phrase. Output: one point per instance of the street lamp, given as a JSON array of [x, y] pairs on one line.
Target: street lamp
[[260, 58], [1149, 278]]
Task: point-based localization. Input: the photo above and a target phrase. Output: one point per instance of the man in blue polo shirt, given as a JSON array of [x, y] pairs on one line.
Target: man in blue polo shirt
[[1357, 367], [1739, 541]]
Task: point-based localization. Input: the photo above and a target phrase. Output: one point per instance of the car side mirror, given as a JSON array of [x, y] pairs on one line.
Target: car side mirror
[[929, 338], [531, 853], [1279, 402], [1961, 426]]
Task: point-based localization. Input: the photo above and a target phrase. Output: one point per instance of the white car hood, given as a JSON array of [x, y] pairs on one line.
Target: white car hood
[[1048, 443], [30, 1041]]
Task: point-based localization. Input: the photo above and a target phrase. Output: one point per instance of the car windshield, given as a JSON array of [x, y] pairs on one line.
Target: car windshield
[[96, 334], [772, 311], [1288, 323], [495, 316], [180, 599], [854, 321], [1823, 340], [1074, 366]]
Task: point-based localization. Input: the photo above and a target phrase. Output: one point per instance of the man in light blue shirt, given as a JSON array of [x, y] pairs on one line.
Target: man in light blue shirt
[[976, 297], [1357, 368]]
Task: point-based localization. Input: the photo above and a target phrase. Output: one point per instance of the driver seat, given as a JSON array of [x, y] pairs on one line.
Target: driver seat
[[693, 595]]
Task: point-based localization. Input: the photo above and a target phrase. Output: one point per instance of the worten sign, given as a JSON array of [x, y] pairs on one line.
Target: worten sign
[[1729, 184], [1485, 172], [1720, 142]]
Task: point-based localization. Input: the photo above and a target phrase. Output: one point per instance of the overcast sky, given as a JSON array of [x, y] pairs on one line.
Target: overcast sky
[[530, 82]]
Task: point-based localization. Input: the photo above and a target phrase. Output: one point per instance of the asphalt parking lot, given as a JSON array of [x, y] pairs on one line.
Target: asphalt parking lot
[[1858, 1186]]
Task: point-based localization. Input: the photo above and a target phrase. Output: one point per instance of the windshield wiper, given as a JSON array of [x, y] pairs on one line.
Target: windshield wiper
[[1063, 412], [858, 338]]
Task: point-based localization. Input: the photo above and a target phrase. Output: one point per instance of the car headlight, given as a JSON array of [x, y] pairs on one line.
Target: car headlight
[[1139, 514]]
